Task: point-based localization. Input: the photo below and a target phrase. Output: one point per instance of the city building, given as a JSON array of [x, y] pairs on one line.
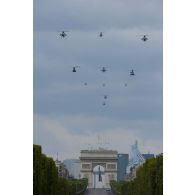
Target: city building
[[62, 170], [73, 166], [123, 160], [99, 166]]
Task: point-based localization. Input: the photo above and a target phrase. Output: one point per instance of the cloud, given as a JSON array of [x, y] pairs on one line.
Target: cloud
[[68, 114], [55, 136], [97, 14]]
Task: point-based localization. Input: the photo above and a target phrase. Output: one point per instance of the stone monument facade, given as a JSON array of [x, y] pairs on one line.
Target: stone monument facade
[[99, 167]]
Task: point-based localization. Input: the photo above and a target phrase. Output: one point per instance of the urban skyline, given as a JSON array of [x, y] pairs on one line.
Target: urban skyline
[[72, 168]]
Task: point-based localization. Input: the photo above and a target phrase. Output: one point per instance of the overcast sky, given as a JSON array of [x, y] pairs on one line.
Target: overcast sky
[[68, 115]]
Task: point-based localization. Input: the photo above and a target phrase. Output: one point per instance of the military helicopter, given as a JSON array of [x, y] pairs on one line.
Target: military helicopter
[[105, 97], [74, 68], [104, 103], [132, 73], [103, 69], [101, 34], [63, 33], [144, 38]]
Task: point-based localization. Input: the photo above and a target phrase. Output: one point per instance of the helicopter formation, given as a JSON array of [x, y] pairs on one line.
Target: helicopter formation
[[103, 69], [105, 97], [64, 33]]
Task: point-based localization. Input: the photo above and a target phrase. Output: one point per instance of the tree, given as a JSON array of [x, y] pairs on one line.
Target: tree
[[46, 180], [148, 181]]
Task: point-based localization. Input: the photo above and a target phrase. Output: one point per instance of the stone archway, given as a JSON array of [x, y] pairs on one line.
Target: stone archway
[[98, 177], [99, 167]]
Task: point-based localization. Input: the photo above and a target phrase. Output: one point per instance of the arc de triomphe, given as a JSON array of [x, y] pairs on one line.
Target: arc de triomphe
[[99, 167]]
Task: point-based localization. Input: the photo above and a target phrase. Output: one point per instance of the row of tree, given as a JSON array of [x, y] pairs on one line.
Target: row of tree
[[46, 180], [148, 181]]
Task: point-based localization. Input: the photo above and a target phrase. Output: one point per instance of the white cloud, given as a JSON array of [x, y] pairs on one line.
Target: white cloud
[[55, 137]]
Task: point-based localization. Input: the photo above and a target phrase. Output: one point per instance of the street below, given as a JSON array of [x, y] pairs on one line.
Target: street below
[[98, 192]]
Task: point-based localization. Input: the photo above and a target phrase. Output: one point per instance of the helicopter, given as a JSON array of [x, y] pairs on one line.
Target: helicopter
[[101, 34], [105, 97], [63, 33], [144, 38], [103, 84], [74, 68], [85, 83], [103, 103], [132, 73], [125, 84], [103, 69]]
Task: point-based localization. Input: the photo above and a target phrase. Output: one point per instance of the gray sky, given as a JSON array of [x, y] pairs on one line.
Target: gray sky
[[68, 116]]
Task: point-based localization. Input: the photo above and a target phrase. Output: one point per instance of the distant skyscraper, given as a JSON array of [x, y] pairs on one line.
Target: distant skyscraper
[[123, 160], [136, 158], [74, 167]]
